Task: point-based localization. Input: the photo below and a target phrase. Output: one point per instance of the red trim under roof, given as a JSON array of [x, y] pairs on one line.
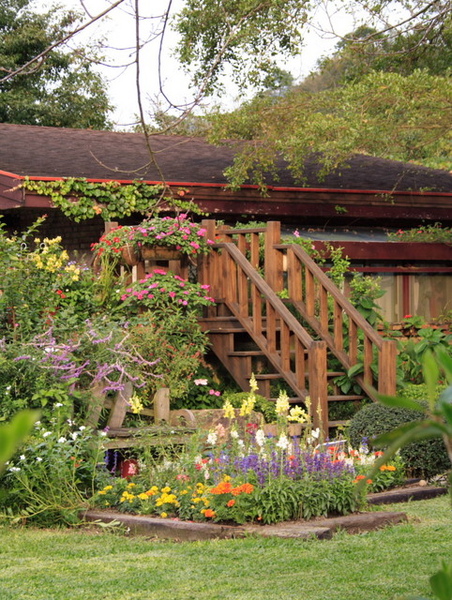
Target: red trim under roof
[[245, 186]]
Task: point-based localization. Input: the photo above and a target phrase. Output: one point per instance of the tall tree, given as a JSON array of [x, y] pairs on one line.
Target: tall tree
[[61, 89]]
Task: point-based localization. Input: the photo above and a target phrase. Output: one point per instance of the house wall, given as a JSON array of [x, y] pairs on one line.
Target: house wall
[[76, 237]]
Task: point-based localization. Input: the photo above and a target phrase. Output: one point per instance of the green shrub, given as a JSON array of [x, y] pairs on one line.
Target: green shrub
[[263, 405], [425, 458]]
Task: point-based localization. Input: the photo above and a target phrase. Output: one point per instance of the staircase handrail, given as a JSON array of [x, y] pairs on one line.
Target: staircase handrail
[[342, 306], [244, 292]]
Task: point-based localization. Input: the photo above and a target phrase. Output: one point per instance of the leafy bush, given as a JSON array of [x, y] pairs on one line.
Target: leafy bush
[[425, 458], [262, 404], [58, 469]]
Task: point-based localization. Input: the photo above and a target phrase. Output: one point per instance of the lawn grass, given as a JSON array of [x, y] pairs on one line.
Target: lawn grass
[[76, 565]]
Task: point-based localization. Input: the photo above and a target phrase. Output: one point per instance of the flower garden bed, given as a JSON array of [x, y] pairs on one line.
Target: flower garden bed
[[321, 528]]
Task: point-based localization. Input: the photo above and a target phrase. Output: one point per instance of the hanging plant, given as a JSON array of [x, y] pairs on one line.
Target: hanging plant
[[177, 233], [117, 245], [80, 199]]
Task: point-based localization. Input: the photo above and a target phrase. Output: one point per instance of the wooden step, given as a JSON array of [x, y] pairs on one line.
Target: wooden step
[[344, 397]]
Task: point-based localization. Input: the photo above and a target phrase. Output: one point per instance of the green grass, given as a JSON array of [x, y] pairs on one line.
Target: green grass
[[77, 565]]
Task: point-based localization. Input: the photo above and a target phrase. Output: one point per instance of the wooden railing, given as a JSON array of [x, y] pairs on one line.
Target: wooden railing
[[322, 306], [286, 344]]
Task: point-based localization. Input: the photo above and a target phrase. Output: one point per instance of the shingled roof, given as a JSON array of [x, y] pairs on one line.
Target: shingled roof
[[58, 152]]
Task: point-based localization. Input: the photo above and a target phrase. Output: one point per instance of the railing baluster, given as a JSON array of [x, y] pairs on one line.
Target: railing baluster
[[368, 359], [353, 342], [338, 326], [323, 309], [271, 328], [257, 309], [285, 346], [300, 364], [310, 293]]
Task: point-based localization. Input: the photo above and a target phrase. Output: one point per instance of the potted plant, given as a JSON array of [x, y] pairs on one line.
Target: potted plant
[[169, 237], [117, 246]]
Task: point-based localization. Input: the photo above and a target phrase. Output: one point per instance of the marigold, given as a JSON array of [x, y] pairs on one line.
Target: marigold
[[231, 503], [208, 513]]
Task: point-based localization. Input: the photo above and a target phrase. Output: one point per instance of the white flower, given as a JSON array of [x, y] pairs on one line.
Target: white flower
[[14, 469], [46, 433], [212, 438], [200, 382], [74, 435], [234, 434], [315, 433], [38, 459], [58, 404], [283, 442], [206, 474], [103, 433], [38, 424], [61, 440], [260, 437], [82, 428], [22, 457]]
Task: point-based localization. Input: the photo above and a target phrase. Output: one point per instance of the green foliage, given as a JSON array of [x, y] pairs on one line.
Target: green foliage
[[12, 434], [244, 34], [56, 472], [177, 345], [166, 294], [61, 91], [413, 350], [392, 116], [423, 458], [80, 199], [262, 404], [424, 233], [364, 291]]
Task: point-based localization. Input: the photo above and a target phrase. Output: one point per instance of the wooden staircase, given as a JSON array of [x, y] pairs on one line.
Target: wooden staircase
[[254, 331]]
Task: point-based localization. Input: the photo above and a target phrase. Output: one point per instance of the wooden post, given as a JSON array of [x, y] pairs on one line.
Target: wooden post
[[273, 258], [318, 389], [162, 405], [119, 409], [387, 371], [96, 403]]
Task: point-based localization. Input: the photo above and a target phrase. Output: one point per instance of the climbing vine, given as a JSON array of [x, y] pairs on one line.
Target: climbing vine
[[80, 199]]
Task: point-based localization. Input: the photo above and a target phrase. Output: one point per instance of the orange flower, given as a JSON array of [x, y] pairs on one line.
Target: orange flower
[[209, 513], [222, 488], [359, 477], [369, 481], [231, 503]]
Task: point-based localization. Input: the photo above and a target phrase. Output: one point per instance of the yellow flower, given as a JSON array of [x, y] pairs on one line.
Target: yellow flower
[[143, 496], [166, 489], [108, 487], [228, 410], [282, 403], [163, 515]]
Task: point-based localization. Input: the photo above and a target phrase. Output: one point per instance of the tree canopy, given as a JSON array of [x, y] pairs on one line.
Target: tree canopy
[[61, 89], [386, 91]]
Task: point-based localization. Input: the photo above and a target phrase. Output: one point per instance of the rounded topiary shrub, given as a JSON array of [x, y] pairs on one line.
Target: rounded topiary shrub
[[425, 458]]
